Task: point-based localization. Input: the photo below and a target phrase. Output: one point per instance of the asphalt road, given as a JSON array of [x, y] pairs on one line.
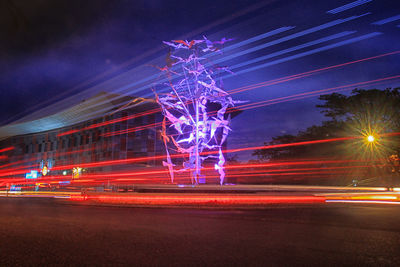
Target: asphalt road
[[42, 232]]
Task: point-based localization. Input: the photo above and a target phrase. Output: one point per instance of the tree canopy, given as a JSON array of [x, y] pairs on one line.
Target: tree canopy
[[361, 114]]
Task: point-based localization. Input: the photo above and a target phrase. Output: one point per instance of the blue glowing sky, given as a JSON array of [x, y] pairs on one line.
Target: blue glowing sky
[[50, 50]]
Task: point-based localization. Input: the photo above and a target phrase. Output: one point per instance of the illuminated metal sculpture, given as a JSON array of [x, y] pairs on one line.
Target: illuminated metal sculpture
[[195, 122]]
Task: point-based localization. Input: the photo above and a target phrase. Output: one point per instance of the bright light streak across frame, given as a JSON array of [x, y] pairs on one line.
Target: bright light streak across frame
[[348, 6], [154, 76], [271, 101], [384, 21], [300, 55], [289, 37], [311, 93], [304, 32], [313, 29], [242, 12], [125, 161], [307, 53], [256, 38], [33, 159], [363, 201], [288, 145], [294, 48], [7, 149], [307, 73], [153, 111], [202, 199], [277, 100], [241, 89], [275, 164]]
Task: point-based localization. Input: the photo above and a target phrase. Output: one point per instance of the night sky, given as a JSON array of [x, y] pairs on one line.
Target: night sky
[[52, 50]]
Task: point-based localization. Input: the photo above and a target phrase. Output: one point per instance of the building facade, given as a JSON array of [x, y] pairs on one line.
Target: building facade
[[104, 137], [126, 130]]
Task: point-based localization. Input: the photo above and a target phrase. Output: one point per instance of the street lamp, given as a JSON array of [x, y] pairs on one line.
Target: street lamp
[[371, 138]]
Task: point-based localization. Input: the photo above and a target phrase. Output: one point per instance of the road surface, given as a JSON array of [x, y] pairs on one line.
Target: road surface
[[44, 232]]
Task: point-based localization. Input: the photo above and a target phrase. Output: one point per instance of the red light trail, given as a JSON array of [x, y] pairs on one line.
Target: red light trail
[[135, 129], [96, 125], [271, 101], [177, 199], [17, 171], [153, 174], [26, 168], [307, 73], [287, 145], [140, 159], [7, 149], [241, 89], [311, 93]]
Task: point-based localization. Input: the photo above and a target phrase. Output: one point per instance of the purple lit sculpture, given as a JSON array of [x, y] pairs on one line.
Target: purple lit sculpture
[[195, 123]]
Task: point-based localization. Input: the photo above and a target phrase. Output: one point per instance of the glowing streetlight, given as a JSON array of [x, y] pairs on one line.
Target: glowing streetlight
[[371, 138]]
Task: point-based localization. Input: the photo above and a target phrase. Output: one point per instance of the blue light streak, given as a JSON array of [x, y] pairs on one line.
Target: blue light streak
[[298, 47], [306, 53], [280, 40], [384, 21], [128, 87], [155, 76], [287, 38], [313, 51], [348, 6], [256, 38], [290, 37]]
